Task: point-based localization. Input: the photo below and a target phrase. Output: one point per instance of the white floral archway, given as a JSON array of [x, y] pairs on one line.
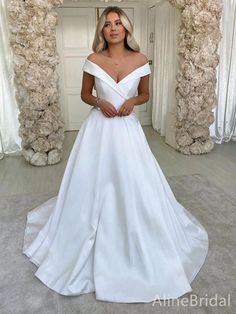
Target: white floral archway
[[33, 39], [196, 79]]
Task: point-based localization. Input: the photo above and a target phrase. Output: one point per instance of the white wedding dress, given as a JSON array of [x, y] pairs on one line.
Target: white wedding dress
[[115, 227]]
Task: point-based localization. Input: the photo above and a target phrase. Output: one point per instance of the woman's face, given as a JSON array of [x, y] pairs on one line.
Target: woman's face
[[113, 30]]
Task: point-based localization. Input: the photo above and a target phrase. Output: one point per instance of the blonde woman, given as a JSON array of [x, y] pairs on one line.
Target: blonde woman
[[115, 227], [117, 53]]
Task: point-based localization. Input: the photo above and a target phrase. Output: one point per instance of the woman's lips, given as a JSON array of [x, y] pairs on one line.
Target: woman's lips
[[114, 35]]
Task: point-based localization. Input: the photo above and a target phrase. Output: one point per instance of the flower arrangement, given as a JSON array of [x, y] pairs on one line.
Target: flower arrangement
[[33, 40], [199, 36]]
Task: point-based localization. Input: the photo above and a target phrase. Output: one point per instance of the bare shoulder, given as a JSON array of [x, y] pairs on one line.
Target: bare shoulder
[[141, 59], [95, 57]]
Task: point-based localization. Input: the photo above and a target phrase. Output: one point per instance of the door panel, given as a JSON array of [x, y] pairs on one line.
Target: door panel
[[75, 32]]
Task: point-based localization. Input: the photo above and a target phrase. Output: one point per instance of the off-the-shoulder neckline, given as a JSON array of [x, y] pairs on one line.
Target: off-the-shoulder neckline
[[112, 77]]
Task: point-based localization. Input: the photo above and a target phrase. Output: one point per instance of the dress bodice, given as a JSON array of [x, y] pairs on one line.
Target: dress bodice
[[115, 92]]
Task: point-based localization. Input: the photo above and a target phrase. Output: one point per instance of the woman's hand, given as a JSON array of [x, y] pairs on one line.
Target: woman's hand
[[107, 108], [126, 108]]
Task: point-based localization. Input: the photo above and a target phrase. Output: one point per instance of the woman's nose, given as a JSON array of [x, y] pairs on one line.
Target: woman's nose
[[113, 26]]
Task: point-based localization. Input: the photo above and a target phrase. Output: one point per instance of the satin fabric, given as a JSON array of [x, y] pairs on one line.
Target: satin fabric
[[115, 228]]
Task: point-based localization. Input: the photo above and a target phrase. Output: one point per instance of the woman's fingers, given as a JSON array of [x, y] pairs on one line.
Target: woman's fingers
[[108, 114], [124, 113], [112, 111], [109, 111]]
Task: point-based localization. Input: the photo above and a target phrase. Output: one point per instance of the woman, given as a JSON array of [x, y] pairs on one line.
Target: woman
[[115, 227]]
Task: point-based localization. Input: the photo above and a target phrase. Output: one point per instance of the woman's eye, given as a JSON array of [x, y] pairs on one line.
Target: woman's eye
[[117, 23]]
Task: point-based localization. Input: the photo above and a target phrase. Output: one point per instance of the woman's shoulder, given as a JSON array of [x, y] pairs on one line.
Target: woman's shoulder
[[94, 57], [140, 58]]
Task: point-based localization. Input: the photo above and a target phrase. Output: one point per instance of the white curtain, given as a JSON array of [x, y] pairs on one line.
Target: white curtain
[[165, 67], [10, 142], [223, 129]]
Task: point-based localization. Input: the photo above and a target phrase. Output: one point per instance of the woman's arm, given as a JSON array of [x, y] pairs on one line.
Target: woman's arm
[[143, 91], [87, 89]]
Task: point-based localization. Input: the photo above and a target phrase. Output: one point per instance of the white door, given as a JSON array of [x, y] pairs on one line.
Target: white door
[[75, 32]]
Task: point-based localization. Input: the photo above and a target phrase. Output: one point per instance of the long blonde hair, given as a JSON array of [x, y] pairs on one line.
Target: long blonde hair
[[99, 42]]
